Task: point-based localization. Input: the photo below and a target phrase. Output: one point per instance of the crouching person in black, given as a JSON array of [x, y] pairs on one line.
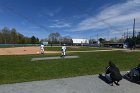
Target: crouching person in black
[[134, 74], [113, 74]]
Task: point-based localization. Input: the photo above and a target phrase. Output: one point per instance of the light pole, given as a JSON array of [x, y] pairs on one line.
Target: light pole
[[134, 41]]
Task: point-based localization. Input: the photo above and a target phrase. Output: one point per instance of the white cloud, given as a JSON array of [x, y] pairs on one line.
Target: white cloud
[[60, 24], [23, 23], [53, 12], [35, 27], [80, 16], [118, 16], [50, 13]]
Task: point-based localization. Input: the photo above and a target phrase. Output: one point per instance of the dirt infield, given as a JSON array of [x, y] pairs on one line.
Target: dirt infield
[[22, 51], [19, 50], [28, 50], [36, 50]]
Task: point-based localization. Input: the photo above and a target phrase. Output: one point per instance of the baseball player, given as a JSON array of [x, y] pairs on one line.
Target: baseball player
[[63, 50], [42, 49]]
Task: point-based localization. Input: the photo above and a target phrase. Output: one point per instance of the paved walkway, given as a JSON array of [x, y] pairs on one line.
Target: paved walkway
[[81, 84]]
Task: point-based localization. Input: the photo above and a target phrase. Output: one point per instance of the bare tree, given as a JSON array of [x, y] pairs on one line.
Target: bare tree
[[54, 38], [67, 40], [92, 41], [13, 36]]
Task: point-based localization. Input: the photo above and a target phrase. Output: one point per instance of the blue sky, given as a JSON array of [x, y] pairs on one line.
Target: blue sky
[[75, 18]]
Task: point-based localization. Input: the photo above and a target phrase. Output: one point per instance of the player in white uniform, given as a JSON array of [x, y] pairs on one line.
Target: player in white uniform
[[63, 50], [42, 49]]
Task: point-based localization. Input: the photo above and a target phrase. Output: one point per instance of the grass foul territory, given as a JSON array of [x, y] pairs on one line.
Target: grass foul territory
[[22, 69]]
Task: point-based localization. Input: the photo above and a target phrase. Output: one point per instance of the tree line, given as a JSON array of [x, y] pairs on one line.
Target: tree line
[[133, 41], [11, 36], [56, 38]]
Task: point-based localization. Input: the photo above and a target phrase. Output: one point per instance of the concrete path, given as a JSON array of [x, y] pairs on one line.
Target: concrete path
[[81, 84]]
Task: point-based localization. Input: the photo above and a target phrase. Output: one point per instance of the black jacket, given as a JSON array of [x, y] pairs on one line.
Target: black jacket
[[114, 73]]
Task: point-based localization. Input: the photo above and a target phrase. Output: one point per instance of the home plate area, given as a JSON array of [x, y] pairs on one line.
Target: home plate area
[[49, 58]]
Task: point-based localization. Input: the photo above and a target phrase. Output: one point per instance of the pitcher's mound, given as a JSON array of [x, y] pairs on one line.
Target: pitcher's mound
[[49, 58]]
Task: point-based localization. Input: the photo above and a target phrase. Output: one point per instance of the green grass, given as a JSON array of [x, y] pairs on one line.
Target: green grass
[[21, 69], [6, 46], [84, 48]]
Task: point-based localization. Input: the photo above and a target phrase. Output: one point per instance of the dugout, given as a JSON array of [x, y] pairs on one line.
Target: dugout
[[114, 45]]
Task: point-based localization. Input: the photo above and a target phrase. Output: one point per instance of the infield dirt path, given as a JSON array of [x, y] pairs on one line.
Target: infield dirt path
[[22, 51], [36, 50], [19, 50]]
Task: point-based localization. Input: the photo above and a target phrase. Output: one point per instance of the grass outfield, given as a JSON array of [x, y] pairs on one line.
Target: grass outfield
[[21, 69], [75, 48]]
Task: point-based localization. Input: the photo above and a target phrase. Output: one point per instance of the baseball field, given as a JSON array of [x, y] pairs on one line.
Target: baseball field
[[16, 64]]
